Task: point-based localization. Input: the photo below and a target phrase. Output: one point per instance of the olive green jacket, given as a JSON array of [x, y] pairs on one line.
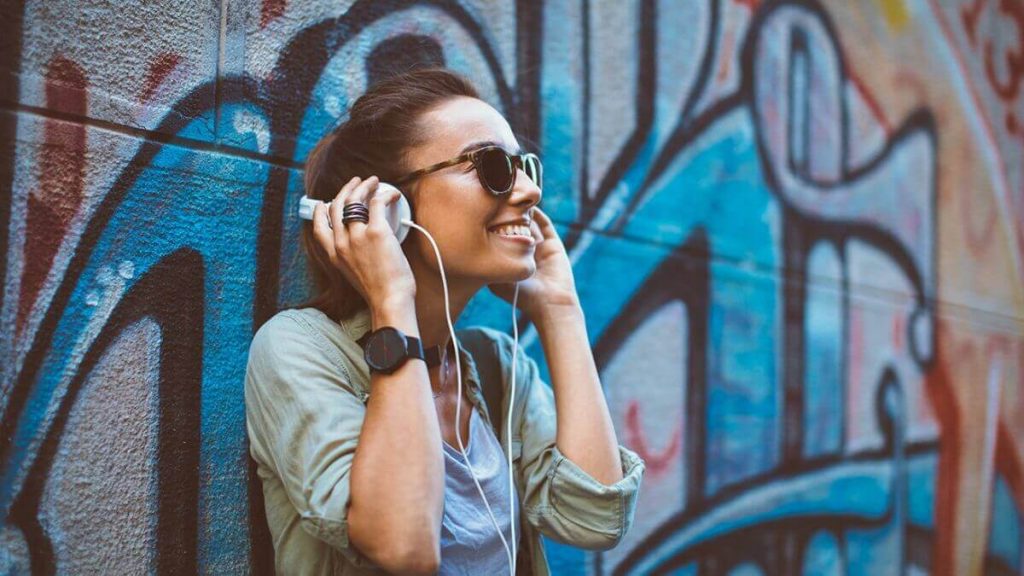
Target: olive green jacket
[[306, 389]]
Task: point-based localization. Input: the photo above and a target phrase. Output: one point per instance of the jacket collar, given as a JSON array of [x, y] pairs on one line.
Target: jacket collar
[[357, 325]]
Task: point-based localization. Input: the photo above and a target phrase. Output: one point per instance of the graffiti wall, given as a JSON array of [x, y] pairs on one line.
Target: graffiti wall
[[797, 230]]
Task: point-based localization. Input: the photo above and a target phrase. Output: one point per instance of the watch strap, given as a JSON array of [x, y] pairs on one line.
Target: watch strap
[[431, 355], [414, 348]]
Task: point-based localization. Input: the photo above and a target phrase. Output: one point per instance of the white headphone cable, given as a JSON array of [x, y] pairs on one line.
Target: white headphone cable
[[508, 426], [458, 405]]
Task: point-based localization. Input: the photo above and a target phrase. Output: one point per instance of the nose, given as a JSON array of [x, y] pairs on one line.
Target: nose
[[525, 193]]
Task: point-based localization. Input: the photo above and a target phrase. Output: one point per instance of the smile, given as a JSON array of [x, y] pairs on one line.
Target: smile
[[520, 234]]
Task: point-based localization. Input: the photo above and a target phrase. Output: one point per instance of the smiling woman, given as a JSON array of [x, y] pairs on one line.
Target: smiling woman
[[342, 371]]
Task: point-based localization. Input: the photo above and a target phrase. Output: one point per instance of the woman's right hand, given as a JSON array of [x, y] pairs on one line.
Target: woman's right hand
[[368, 255]]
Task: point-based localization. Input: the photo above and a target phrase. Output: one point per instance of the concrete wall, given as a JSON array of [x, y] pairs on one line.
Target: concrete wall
[[797, 231]]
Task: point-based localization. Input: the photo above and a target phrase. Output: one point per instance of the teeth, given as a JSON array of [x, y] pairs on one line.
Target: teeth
[[512, 231]]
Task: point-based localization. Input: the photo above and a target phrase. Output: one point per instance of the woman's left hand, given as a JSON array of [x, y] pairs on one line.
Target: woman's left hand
[[552, 285]]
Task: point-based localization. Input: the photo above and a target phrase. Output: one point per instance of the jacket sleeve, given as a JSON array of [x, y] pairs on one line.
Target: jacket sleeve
[[560, 499], [304, 423]]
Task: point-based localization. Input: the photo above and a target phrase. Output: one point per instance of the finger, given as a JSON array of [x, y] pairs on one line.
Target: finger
[[547, 228], [358, 195], [337, 210], [363, 192], [339, 199], [326, 253], [322, 231], [535, 231], [347, 189], [382, 198]]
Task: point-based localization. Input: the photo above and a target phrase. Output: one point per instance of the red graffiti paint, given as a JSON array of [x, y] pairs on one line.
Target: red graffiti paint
[[1008, 88], [1020, 231], [989, 131], [959, 438], [899, 328], [1008, 448], [723, 68], [1013, 127], [970, 15], [52, 205], [939, 388], [159, 68], [980, 214], [656, 462], [271, 10], [1010, 11], [870, 101]]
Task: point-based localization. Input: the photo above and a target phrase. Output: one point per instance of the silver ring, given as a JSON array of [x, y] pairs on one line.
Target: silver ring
[[355, 212]]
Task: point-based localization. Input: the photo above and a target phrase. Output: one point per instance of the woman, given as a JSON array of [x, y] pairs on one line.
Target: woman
[[358, 466]]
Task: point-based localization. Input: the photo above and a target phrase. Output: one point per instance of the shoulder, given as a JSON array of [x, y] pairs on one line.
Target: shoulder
[[294, 339], [480, 334], [283, 321], [283, 329], [301, 326], [298, 351], [491, 346]]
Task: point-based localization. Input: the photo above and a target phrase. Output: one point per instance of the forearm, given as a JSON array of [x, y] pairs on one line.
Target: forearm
[[397, 480], [585, 431]]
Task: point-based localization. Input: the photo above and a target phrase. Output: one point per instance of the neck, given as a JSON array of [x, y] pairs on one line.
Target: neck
[[430, 309]]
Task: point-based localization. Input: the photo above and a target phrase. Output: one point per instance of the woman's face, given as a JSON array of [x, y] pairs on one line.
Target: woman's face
[[457, 210]]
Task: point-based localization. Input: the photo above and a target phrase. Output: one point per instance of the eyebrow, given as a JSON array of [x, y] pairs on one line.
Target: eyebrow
[[483, 143]]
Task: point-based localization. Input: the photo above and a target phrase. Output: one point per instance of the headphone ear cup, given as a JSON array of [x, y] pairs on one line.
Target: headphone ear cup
[[398, 211]]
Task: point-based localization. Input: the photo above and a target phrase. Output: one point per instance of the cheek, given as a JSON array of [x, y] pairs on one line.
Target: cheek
[[459, 237], [458, 216]]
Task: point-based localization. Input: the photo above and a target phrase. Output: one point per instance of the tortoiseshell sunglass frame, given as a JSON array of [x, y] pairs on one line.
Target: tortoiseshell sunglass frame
[[518, 161]]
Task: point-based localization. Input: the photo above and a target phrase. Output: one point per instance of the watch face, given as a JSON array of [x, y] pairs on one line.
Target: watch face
[[385, 349]]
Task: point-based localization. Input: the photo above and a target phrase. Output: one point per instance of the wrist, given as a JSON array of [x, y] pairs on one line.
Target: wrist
[[399, 312], [553, 314]]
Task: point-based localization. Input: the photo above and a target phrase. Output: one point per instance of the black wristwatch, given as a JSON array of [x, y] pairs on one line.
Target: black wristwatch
[[387, 348]]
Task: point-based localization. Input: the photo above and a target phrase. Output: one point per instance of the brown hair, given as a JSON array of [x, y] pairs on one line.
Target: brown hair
[[382, 126]]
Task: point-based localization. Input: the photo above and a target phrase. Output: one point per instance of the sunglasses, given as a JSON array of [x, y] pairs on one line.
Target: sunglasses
[[495, 167]]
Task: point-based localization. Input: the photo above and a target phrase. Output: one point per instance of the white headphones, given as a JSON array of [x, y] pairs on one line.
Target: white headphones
[[399, 216]]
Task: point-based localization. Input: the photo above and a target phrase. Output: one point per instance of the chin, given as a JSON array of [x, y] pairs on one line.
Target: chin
[[508, 274], [526, 271], [509, 266]]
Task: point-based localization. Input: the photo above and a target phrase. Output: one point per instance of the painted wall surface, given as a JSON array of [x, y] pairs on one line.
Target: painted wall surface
[[797, 230]]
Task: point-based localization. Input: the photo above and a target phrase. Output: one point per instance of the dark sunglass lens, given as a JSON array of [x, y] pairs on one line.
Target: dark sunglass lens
[[496, 169]]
